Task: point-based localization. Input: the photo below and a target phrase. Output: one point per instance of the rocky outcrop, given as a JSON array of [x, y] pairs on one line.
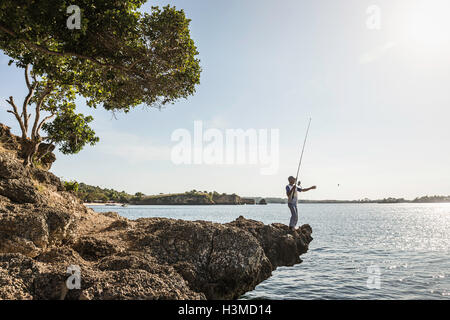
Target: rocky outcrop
[[191, 198], [188, 198], [227, 199], [47, 236], [221, 261], [248, 201]]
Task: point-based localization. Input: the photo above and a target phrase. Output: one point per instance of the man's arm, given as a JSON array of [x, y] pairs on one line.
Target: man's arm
[[307, 189], [289, 193]]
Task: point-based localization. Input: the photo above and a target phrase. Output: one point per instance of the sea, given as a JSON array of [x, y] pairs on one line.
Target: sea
[[359, 251]]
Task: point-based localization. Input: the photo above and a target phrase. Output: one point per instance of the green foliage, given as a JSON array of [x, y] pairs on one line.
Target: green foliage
[[138, 196], [70, 130], [119, 58], [89, 193], [199, 193], [71, 186]]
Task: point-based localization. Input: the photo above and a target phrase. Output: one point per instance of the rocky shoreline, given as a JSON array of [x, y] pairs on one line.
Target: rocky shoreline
[[45, 230]]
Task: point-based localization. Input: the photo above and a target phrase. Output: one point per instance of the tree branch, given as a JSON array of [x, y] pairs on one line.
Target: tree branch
[[27, 79], [135, 63], [34, 131], [46, 151], [31, 89], [63, 54], [42, 123], [16, 114]]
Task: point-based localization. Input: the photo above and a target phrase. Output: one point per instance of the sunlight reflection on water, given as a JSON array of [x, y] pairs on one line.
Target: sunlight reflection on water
[[410, 243]]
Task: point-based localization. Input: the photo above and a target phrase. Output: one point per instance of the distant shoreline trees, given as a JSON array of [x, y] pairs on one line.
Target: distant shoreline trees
[[91, 194], [432, 199], [95, 194]]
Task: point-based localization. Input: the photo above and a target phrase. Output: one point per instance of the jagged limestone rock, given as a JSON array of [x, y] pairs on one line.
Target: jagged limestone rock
[[44, 230]]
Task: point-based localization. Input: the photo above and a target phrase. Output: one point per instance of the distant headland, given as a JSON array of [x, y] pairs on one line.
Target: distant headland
[[97, 195]]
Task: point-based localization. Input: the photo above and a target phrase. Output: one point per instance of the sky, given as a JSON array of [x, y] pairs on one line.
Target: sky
[[376, 90]]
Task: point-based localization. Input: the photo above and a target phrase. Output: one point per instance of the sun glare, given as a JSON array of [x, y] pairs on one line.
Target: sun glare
[[424, 25]]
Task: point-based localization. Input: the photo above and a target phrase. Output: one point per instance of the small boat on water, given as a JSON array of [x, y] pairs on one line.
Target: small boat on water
[[124, 205]]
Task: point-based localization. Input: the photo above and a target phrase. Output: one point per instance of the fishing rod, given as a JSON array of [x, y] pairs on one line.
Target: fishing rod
[[303, 150]]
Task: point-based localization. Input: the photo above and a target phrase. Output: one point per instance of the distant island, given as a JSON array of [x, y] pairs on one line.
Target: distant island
[[98, 195], [193, 197]]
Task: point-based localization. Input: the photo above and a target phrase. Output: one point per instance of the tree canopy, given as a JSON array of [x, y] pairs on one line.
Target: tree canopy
[[118, 58]]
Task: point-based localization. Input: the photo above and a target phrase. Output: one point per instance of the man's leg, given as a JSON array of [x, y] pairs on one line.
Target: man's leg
[[294, 215]]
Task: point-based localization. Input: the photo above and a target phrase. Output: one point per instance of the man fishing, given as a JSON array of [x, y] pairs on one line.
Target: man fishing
[[291, 192], [292, 189]]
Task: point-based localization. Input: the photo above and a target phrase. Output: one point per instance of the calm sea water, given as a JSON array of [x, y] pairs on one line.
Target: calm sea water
[[360, 251]]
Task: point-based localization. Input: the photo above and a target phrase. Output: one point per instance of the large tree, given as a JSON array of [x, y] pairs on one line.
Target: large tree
[[119, 58], [53, 112]]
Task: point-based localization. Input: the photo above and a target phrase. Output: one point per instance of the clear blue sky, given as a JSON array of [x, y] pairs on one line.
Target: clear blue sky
[[379, 101]]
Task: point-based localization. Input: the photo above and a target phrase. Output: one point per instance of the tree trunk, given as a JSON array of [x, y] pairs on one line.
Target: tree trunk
[[43, 150], [29, 149]]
